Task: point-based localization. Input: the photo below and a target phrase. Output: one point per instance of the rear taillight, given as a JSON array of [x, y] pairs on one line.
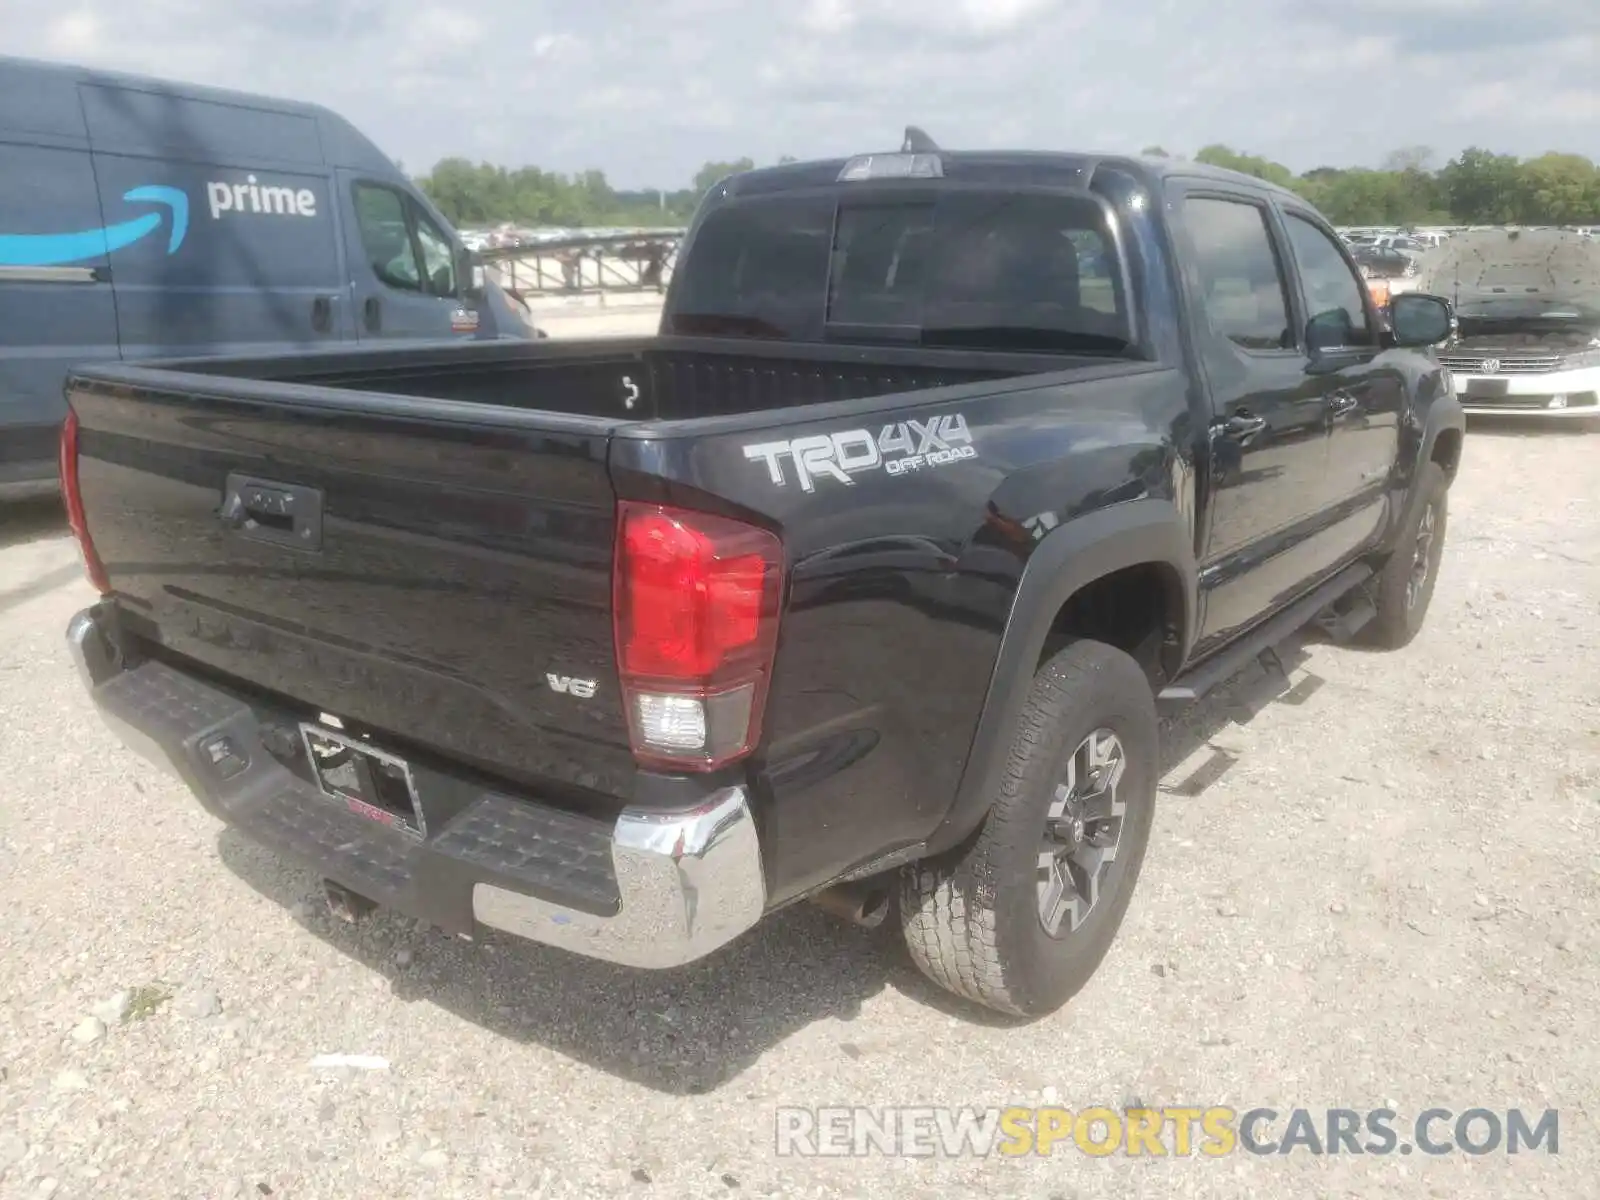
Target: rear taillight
[[695, 609], [72, 499]]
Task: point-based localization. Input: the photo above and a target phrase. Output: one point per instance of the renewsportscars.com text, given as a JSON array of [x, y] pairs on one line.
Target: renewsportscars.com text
[[1208, 1132]]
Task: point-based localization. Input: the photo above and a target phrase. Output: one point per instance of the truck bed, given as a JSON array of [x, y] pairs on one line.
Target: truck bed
[[463, 499], [635, 379]]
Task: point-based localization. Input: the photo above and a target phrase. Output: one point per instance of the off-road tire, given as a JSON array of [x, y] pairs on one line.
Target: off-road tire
[[1400, 614], [971, 918]]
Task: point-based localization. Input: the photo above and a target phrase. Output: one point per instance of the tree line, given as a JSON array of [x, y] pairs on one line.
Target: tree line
[[482, 194], [1477, 187]]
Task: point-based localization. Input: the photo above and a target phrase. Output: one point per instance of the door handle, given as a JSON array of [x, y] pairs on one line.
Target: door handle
[[372, 314], [1243, 425], [322, 314]]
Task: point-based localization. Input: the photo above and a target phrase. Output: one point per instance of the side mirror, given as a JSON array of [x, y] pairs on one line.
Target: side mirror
[[1328, 330], [469, 270], [1416, 319]]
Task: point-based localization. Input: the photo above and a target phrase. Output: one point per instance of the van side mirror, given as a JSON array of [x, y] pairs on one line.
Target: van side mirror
[[1417, 319], [469, 270]]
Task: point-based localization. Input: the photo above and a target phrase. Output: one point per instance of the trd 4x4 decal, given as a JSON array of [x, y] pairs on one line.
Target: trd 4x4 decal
[[898, 449]]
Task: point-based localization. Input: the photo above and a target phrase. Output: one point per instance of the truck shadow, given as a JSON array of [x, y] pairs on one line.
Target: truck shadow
[[693, 1029], [31, 520], [1192, 762], [684, 1031]]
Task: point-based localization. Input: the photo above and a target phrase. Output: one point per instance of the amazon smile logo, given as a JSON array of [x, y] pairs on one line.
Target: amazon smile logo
[[63, 249]]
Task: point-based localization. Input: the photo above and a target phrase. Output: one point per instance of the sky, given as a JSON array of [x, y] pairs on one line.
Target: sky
[[649, 90]]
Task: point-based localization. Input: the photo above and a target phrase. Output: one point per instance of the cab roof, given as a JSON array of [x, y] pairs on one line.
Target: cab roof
[[1002, 167]]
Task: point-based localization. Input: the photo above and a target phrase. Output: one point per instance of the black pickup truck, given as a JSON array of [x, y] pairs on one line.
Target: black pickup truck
[[860, 583]]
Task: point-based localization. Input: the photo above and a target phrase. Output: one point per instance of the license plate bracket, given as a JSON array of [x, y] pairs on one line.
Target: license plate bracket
[[371, 783], [1486, 387]]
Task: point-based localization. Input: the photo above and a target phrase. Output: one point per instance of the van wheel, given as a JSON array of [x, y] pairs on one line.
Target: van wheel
[[1404, 587], [1020, 918]]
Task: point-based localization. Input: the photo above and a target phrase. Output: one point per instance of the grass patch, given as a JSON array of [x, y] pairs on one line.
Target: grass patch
[[148, 999]]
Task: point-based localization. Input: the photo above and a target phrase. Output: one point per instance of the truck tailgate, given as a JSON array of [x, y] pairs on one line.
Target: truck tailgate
[[437, 575]]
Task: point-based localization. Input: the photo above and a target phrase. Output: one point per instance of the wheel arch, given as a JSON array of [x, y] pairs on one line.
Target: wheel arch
[[1145, 540], [1442, 440]]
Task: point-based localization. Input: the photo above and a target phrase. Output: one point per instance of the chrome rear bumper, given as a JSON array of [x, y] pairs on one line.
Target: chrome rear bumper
[[652, 889]]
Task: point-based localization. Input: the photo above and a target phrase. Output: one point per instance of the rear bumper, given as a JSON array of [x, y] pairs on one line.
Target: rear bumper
[[652, 889]]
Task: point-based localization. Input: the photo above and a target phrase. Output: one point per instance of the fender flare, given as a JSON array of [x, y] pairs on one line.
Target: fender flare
[[1071, 557], [1443, 414]]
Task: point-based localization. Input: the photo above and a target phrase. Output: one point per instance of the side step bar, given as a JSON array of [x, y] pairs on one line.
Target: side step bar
[[1229, 662]]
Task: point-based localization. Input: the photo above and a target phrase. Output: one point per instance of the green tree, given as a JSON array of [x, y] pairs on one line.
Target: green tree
[[1476, 187], [1563, 189], [1247, 164], [1482, 187]]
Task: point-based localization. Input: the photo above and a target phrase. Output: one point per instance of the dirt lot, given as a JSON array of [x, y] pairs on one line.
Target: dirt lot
[[1380, 888]]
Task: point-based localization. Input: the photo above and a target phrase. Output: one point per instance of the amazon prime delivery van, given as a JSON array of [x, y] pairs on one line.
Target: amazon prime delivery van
[[141, 219]]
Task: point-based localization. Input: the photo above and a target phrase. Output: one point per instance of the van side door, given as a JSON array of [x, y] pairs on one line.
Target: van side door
[[56, 306], [404, 267], [241, 256]]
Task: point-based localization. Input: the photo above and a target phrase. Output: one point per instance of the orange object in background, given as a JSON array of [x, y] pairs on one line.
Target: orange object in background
[[1380, 292]]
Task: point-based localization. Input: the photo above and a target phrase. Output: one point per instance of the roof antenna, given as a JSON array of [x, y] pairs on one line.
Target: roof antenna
[[918, 142]]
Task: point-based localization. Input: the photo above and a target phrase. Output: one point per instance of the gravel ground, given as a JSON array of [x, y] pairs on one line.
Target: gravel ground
[[1373, 882]]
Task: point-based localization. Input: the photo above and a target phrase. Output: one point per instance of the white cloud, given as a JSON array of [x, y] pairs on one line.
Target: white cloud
[[649, 89], [75, 33], [828, 16]]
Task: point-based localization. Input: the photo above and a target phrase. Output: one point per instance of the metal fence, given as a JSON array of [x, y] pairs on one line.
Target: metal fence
[[637, 262]]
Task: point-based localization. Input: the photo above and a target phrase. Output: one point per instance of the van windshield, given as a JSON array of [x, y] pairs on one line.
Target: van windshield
[[968, 269]]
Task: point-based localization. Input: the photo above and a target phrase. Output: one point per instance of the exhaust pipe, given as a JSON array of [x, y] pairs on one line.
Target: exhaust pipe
[[864, 902]]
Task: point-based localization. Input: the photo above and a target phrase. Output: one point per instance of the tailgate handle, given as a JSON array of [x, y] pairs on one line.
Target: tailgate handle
[[266, 511]]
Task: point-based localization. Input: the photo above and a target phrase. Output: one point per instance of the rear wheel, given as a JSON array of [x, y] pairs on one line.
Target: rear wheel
[[1019, 919], [1405, 584]]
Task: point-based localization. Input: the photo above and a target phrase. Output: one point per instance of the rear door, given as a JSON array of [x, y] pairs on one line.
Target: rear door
[[56, 306], [246, 259], [1269, 427], [403, 264]]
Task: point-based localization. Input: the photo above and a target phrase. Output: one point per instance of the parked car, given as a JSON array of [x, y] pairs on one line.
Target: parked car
[[1384, 262], [860, 583], [143, 219], [1528, 321]]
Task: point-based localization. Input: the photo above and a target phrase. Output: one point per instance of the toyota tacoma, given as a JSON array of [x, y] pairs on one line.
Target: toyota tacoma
[[859, 583]]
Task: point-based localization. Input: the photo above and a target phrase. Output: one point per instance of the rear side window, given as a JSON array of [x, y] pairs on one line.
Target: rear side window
[[978, 270], [387, 219], [757, 269], [1241, 284]]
